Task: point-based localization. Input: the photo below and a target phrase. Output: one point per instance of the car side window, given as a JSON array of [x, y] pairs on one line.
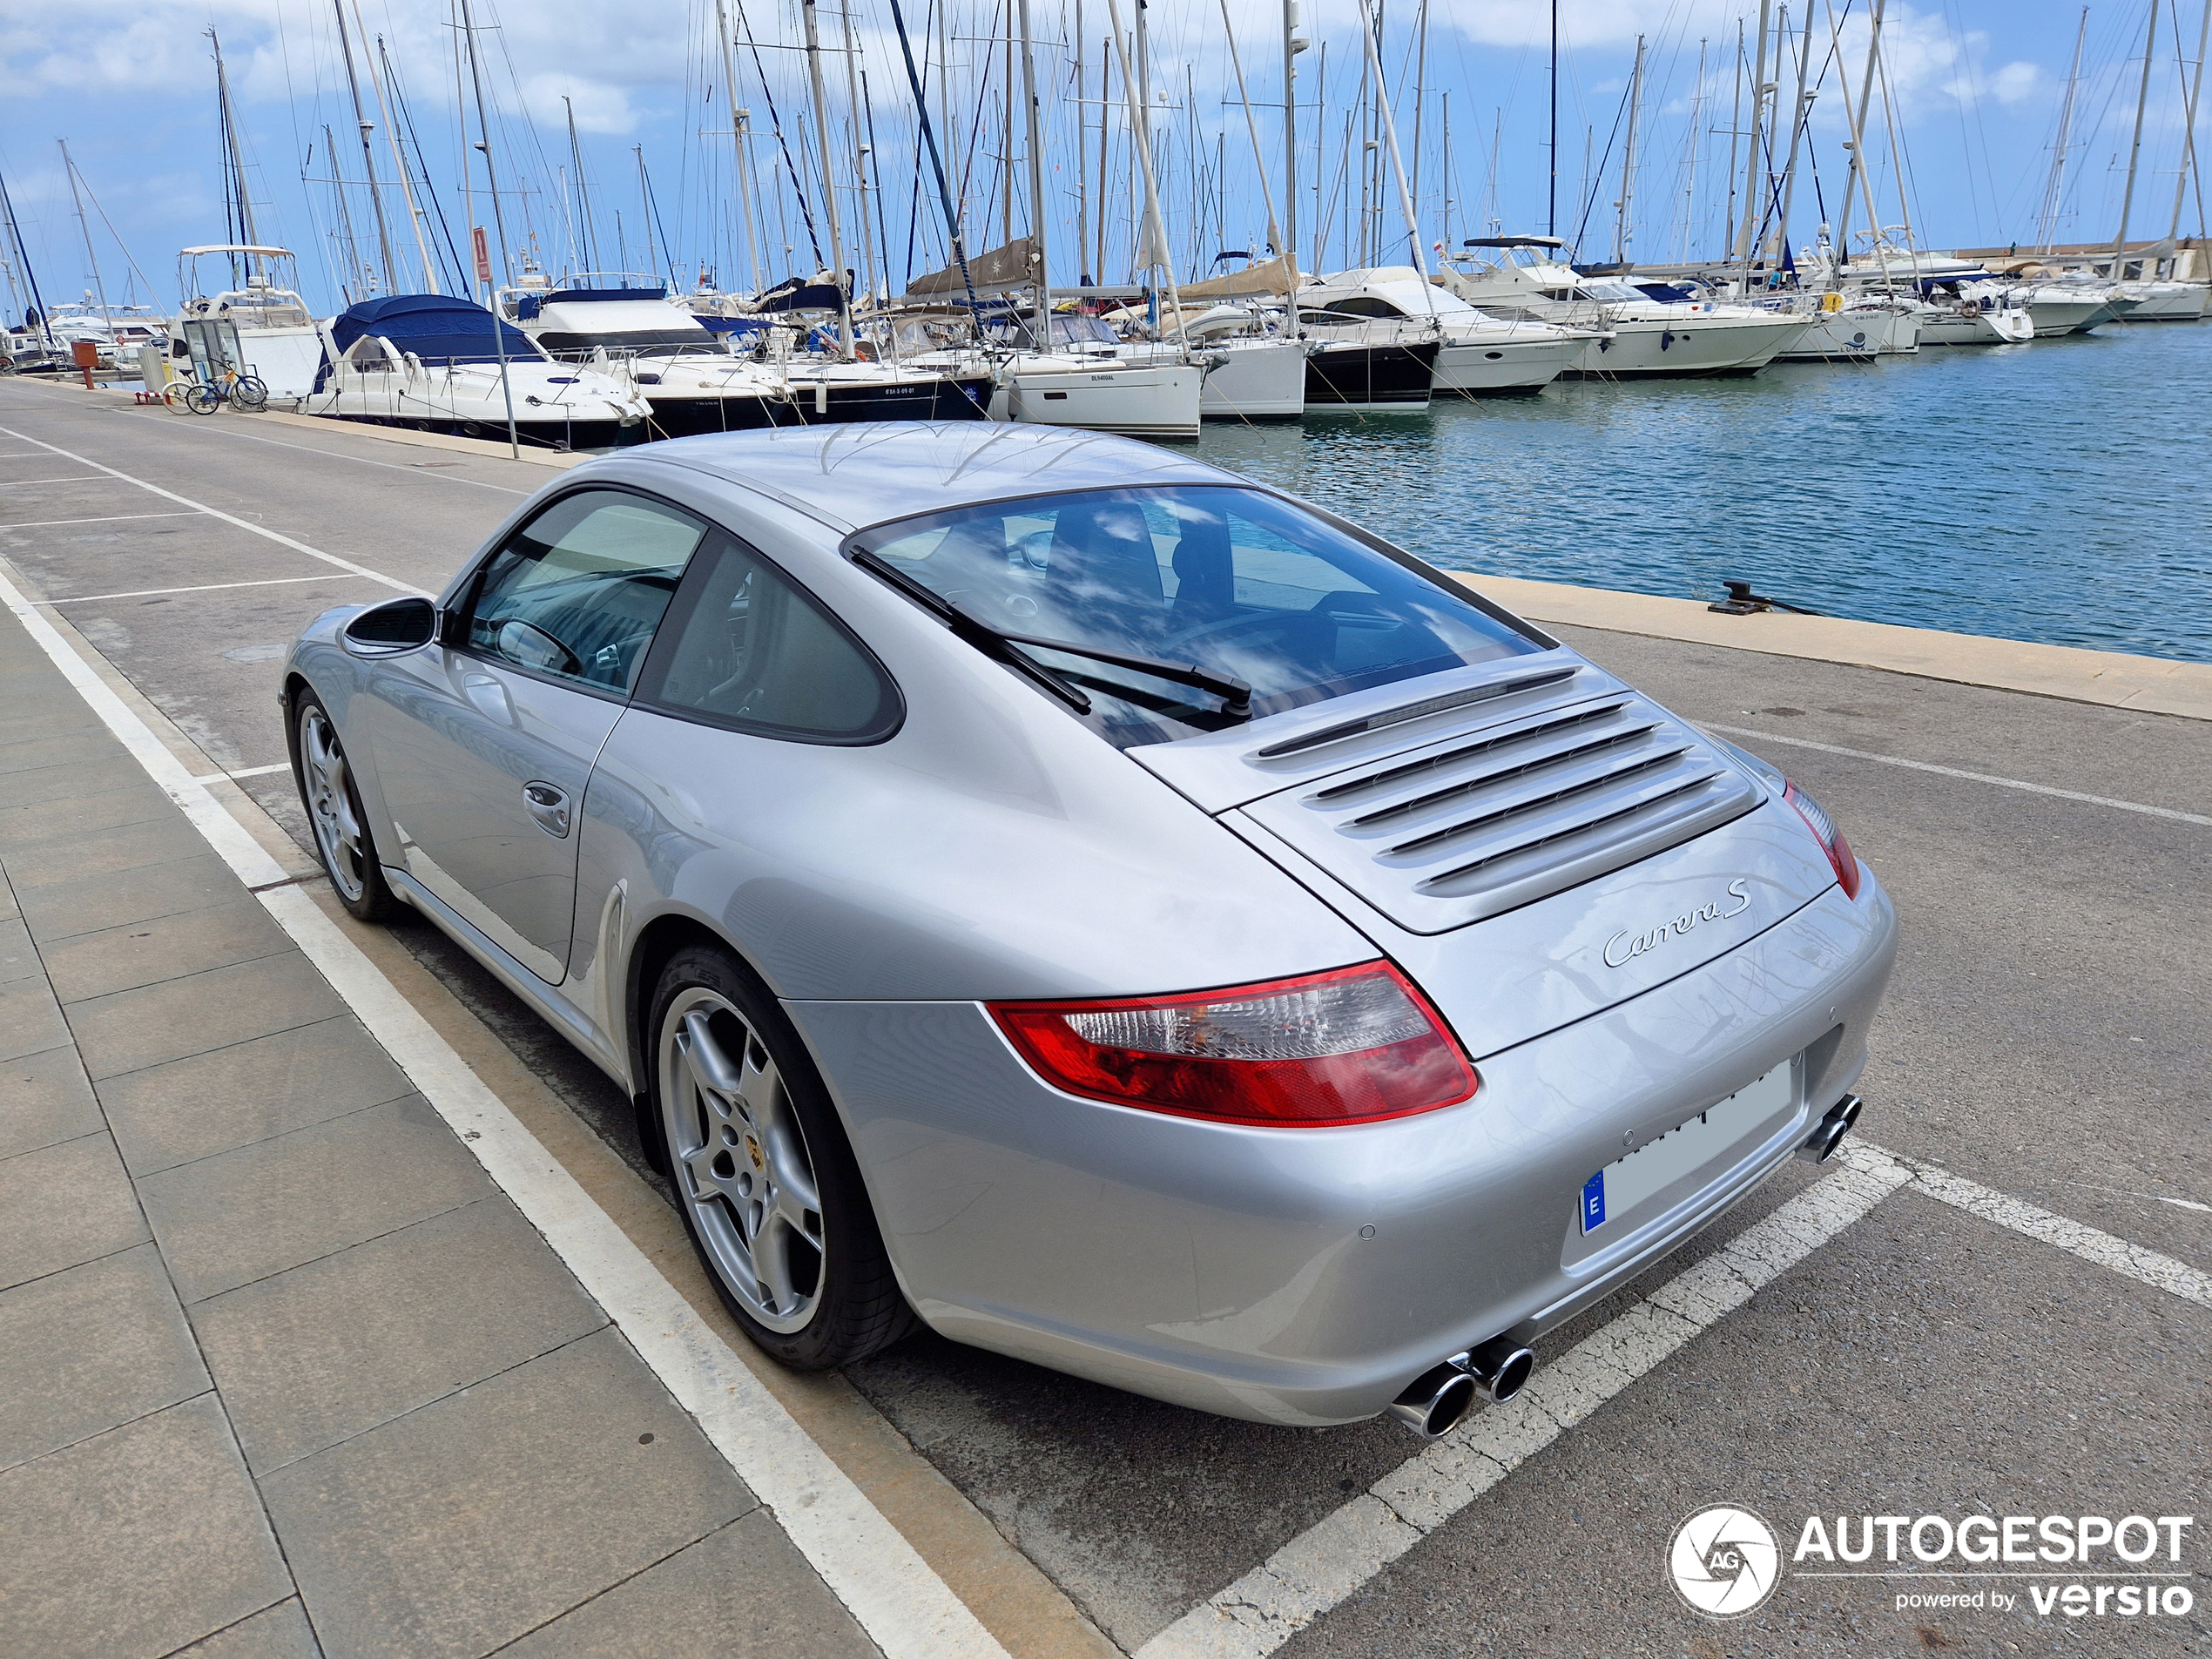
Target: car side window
[[755, 652], [579, 590]]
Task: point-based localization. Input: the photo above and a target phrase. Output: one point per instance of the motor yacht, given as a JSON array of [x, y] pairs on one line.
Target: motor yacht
[[257, 325], [434, 363], [1477, 354], [1645, 330]]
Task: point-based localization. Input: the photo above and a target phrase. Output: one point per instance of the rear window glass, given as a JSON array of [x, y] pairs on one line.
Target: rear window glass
[[1232, 581]]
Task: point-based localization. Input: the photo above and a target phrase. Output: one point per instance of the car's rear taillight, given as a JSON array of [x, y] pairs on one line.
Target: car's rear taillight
[[1349, 1046], [1840, 856]]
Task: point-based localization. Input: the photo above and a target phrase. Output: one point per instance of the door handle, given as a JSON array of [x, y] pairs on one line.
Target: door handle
[[550, 807]]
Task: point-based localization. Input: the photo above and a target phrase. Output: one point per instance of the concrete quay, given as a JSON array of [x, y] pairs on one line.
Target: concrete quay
[[336, 1304]]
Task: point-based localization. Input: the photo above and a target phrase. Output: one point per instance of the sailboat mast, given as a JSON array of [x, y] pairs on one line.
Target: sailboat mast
[[738, 119], [1551, 200], [1746, 229], [860, 158], [101, 287], [582, 197], [483, 130], [399, 157], [1625, 208], [237, 156], [23, 259], [1855, 178], [1083, 152], [2136, 145], [1152, 246], [1799, 123], [1288, 248], [1384, 119], [829, 180], [1251, 126], [1036, 181], [368, 150], [2052, 191], [2188, 122]]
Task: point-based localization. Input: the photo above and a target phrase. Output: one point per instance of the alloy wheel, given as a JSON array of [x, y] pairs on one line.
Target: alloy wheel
[[740, 1160], [330, 804]]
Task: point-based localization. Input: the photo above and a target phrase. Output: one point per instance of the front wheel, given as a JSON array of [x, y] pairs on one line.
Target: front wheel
[[766, 1184], [203, 398], [342, 838], [248, 393]]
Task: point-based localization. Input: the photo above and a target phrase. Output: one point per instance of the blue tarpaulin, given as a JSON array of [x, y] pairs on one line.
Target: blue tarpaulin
[[436, 328]]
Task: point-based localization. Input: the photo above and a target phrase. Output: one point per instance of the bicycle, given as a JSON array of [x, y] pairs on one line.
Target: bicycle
[[243, 392]]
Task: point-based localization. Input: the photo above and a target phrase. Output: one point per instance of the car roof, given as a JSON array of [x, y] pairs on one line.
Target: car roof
[[868, 473]]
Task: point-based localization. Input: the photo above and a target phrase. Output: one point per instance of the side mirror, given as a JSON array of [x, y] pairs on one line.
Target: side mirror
[[395, 626]]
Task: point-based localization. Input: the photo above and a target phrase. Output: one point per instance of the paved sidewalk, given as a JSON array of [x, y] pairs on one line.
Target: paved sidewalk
[[281, 1371]]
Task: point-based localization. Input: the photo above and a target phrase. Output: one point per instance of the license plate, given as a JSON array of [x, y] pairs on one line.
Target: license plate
[[1627, 1181]]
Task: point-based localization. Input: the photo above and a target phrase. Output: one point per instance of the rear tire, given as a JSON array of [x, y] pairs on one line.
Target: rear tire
[[342, 838], [764, 1179]]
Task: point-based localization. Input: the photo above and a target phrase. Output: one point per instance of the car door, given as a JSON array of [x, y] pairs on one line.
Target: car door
[[484, 742]]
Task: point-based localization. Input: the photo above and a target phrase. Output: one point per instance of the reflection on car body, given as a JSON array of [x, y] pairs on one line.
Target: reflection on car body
[[1050, 889]]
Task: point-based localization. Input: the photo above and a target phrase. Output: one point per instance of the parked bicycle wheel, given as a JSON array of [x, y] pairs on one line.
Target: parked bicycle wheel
[[202, 399], [175, 396], [248, 393]]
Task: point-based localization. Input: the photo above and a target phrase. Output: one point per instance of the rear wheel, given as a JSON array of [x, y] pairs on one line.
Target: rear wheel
[[766, 1184], [248, 394], [342, 838], [203, 398]]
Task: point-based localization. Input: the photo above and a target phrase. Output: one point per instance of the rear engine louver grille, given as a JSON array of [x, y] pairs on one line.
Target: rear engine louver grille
[[1479, 824]]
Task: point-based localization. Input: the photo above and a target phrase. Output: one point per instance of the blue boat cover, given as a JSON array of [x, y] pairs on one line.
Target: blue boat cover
[[437, 327]]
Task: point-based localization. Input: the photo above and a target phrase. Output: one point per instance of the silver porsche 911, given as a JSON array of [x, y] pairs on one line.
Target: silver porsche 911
[[1103, 909]]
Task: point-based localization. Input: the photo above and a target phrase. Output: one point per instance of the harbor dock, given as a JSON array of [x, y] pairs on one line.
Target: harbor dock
[[340, 1312]]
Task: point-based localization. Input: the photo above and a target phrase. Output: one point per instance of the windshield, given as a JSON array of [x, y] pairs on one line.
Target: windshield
[[1231, 580]]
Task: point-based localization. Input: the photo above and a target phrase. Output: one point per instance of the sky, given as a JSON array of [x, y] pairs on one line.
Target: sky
[[1974, 92]]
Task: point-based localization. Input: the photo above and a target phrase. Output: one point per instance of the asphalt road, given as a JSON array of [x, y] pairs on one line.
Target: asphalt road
[[2045, 1036]]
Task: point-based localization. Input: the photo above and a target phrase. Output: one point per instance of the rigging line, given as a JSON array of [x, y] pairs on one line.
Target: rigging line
[[776, 122], [422, 162]]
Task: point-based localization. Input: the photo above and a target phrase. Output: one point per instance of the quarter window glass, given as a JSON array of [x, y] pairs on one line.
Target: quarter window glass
[[756, 653], [579, 590]]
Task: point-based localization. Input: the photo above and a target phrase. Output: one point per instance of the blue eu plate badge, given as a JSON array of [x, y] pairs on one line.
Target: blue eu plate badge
[[1593, 1201]]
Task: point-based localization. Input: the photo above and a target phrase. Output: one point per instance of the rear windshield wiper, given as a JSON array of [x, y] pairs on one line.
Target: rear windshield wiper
[[1235, 694]]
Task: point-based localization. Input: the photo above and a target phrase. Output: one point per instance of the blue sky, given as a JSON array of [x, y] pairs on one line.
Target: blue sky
[[1974, 90]]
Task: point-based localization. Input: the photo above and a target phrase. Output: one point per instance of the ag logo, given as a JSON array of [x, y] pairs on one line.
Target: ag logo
[[1724, 1562]]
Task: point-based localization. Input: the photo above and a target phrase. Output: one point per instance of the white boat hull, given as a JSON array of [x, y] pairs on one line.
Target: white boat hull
[[2172, 303], [1135, 400], [1986, 327], [1644, 347], [1258, 380], [2056, 314], [1478, 368]]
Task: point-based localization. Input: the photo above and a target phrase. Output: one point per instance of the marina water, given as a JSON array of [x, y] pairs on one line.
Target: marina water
[[2059, 492]]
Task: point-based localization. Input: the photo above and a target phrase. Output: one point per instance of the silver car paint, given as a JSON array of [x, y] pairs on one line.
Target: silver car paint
[[994, 847]]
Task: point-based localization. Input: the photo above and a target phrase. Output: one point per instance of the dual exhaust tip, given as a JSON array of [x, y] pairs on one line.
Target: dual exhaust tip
[[1500, 1367], [1818, 1146], [1440, 1398]]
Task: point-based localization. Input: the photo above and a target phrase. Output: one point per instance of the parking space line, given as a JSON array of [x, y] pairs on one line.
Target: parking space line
[[1953, 772], [204, 587], [243, 771], [337, 454], [109, 518], [213, 512], [1329, 1562], [74, 478], [905, 1608], [2146, 1266]]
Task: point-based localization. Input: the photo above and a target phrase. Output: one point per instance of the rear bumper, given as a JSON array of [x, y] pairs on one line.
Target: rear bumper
[[1306, 1277]]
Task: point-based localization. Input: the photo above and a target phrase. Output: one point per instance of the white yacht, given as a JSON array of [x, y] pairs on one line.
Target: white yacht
[[2160, 302], [698, 380], [1642, 336], [1086, 375], [258, 326], [433, 363], [1477, 352]]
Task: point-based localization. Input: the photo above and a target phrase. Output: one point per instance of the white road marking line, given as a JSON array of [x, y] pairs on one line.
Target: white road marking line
[[75, 478], [905, 1608], [212, 430], [2146, 1266], [206, 586], [1953, 772], [2130, 1192], [202, 507], [243, 771], [1330, 1560], [111, 518]]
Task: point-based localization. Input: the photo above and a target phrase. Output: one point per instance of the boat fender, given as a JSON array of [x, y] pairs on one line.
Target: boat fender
[[1831, 302]]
